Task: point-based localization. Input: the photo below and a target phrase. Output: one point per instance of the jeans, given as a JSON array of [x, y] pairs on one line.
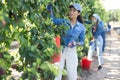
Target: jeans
[[69, 56], [98, 45], [104, 41]]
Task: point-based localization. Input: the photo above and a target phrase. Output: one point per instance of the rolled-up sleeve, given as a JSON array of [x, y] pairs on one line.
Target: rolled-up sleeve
[[88, 22], [57, 21]]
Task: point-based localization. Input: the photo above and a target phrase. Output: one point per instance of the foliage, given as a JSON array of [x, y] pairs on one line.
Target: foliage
[[28, 22], [114, 15]]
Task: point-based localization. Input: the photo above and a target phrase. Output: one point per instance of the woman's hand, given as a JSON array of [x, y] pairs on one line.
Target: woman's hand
[[92, 38], [73, 44], [92, 41], [94, 29], [70, 44], [49, 7]]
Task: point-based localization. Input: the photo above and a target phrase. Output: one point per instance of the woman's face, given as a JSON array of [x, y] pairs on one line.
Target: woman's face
[[94, 19], [73, 13]]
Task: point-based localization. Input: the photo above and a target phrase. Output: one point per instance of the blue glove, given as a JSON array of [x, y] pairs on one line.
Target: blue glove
[[49, 7]]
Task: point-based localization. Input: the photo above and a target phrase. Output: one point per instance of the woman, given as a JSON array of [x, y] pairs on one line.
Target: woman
[[73, 37], [97, 41], [108, 28]]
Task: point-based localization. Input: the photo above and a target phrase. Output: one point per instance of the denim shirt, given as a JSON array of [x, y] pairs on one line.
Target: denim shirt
[[99, 30], [76, 33]]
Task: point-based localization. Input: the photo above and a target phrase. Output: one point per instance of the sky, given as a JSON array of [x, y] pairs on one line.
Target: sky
[[111, 4]]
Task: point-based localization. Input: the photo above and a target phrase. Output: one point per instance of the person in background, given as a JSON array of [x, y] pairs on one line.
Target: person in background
[[109, 28], [73, 37], [97, 42]]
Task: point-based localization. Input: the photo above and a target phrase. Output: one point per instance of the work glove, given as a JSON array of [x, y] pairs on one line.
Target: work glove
[[49, 7]]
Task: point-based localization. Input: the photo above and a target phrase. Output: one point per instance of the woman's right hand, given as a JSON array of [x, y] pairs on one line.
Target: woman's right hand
[[92, 38], [92, 41], [94, 29]]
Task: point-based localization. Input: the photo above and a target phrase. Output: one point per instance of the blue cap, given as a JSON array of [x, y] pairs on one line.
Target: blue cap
[[76, 6], [96, 17]]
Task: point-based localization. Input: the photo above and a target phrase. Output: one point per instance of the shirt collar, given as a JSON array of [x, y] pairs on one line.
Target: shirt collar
[[77, 23]]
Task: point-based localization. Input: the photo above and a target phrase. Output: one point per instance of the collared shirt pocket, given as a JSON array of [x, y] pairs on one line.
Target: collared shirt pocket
[[76, 33]]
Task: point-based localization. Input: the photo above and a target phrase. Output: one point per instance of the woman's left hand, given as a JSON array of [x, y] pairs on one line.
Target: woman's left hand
[[73, 44], [76, 43]]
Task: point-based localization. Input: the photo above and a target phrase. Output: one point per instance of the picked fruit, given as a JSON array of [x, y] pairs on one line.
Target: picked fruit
[[3, 23], [2, 71], [14, 66]]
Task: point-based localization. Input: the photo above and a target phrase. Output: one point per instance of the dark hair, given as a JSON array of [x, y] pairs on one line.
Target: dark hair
[[79, 18], [96, 24]]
